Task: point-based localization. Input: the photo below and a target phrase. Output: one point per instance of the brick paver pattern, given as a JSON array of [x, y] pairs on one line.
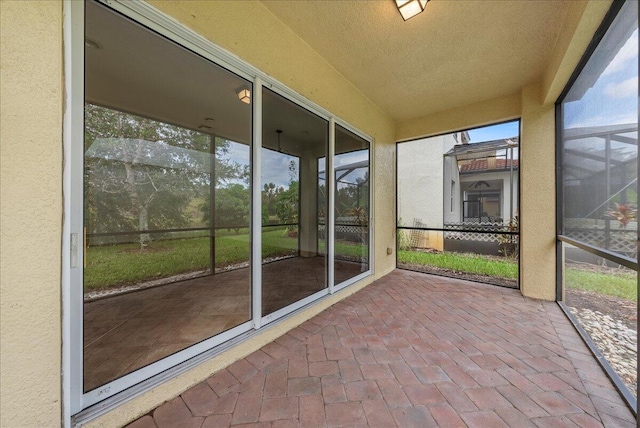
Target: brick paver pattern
[[412, 350]]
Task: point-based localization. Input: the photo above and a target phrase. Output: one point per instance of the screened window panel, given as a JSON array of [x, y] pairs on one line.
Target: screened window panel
[[600, 142]]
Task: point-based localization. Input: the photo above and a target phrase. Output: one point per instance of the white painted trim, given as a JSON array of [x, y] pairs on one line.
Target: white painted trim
[[294, 306], [372, 164], [330, 179], [73, 176], [256, 203]]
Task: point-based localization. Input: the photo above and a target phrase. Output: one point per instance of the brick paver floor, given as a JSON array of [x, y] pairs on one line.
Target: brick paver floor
[[412, 350]]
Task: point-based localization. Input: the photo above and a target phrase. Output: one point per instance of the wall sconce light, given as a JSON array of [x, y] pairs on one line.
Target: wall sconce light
[[410, 8], [244, 95]]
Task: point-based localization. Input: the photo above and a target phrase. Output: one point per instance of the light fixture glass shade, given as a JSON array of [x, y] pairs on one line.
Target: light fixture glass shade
[[245, 96], [410, 8]]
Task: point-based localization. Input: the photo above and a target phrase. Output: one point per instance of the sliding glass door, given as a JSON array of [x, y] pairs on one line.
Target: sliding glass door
[[204, 211]]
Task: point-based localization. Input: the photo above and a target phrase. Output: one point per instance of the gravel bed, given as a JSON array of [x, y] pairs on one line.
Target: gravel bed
[[617, 343]]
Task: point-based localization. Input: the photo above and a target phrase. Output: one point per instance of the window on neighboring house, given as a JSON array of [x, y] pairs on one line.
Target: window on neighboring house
[[453, 192], [482, 206]]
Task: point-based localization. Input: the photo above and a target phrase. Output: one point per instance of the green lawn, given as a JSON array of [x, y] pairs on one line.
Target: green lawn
[[462, 262], [623, 284], [114, 265]]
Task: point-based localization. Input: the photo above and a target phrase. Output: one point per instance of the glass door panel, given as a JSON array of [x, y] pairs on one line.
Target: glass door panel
[[166, 198], [351, 169], [294, 265]]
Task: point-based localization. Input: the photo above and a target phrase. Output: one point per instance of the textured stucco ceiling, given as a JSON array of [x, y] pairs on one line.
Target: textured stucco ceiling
[[455, 53]]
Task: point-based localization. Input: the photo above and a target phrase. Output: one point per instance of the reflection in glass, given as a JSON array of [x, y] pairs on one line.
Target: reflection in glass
[[351, 169], [599, 173], [293, 142], [155, 249], [603, 296], [600, 142]]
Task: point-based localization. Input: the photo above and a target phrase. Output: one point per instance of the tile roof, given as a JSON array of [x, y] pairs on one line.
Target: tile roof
[[478, 165]]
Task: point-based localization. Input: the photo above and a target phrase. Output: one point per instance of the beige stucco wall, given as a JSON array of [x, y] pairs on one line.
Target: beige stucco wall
[[31, 95], [461, 118], [582, 19], [537, 202]]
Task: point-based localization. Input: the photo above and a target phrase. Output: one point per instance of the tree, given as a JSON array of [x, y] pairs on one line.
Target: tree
[[270, 194], [141, 174], [287, 204], [232, 207]]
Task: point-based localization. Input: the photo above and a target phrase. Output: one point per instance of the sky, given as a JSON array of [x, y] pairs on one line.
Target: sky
[[614, 94], [275, 166], [495, 132]]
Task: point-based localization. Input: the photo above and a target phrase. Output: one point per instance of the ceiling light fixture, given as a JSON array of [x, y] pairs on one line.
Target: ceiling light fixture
[[410, 8], [244, 95]]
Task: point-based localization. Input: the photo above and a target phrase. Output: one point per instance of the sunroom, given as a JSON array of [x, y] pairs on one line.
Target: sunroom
[[228, 170]]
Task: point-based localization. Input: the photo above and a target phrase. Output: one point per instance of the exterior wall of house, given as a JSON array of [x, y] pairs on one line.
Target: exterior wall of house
[[423, 174], [424, 181], [31, 97]]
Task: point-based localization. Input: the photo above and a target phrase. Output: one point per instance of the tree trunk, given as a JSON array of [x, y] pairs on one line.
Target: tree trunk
[[143, 224], [132, 189]]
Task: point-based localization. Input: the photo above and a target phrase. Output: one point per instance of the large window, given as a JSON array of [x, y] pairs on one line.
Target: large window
[[458, 204], [598, 195], [188, 228]]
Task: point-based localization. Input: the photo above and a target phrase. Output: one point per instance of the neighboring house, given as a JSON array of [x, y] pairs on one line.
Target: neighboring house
[[470, 183], [422, 200], [483, 182]]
